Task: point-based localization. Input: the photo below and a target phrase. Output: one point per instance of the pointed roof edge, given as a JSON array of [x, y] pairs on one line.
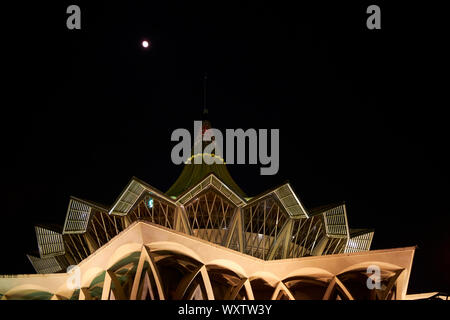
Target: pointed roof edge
[[96, 205], [291, 192], [326, 207], [238, 200], [354, 232], [193, 173], [50, 226], [127, 191]]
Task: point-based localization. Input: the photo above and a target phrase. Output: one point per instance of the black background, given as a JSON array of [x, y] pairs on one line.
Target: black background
[[362, 113]]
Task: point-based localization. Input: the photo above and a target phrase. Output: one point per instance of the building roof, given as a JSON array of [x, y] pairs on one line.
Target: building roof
[[194, 180], [192, 174]]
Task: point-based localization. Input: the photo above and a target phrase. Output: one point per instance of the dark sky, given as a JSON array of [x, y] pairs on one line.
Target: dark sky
[[362, 113]]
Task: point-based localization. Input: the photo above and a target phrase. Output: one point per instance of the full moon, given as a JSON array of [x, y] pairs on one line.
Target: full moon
[[145, 44]]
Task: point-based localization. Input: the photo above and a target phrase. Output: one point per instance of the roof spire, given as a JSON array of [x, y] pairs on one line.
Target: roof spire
[[205, 121], [205, 78]]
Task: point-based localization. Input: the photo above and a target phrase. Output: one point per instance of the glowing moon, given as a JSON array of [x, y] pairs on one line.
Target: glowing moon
[[145, 44]]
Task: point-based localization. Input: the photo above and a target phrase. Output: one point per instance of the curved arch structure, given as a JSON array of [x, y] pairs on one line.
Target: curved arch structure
[[204, 239], [148, 261]]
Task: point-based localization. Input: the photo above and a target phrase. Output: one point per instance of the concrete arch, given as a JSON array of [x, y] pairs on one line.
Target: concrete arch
[[174, 247], [384, 266], [26, 288], [269, 277], [122, 252], [311, 272], [89, 276], [230, 265], [395, 275], [64, 292]]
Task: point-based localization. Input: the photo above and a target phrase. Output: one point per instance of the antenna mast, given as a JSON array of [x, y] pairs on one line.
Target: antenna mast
[[205, 78]]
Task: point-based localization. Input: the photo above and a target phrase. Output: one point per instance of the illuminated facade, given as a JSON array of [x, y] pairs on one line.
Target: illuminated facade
[[205, 239]]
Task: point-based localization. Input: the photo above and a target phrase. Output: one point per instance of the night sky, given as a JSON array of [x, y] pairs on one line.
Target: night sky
[[362, 113]]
